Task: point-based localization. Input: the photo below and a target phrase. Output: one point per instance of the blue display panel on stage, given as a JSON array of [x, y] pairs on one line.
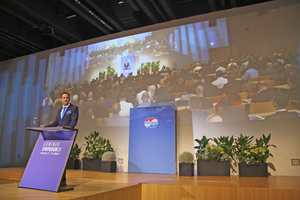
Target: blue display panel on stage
[[152, 140]]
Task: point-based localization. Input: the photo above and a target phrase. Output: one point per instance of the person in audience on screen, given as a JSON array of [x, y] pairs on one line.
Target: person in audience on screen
[[186, 75], [125, 107], [209, 89], [214, 118], [116, 119], [245, 63], [278, 66], [75, 100], [194, 115], [115, 93], [198, 80], [232, 94], [250, 73], [233, 69], [285, 75], [67, 115], [294, 82], [179, 87], [89, 120], [145, 98], [90, 103], [108, 102], [289, 58], [230, 64], [280, 102], [263, 94], [270, 70], [166, 96], [230, 112], [205, 103], [82, 96], [48, 101], [220, 81], [101, 111], [222, 69], [151, 87], [143, 89], [82, 110], [160, 89], [189, 93], [231, 81]]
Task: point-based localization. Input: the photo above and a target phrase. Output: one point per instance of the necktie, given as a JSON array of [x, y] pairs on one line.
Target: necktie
[[63, 113]]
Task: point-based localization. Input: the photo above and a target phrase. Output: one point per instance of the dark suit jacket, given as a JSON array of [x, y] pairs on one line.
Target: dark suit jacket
[[206, 103], [159, 91], [210, 90], [70, 118], [232, 113], [282, 114], [263, 96]]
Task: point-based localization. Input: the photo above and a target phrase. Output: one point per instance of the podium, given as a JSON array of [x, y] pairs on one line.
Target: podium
[[48, 160]]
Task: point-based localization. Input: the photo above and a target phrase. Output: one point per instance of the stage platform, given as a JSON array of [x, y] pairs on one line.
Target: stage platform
[[90, 185]]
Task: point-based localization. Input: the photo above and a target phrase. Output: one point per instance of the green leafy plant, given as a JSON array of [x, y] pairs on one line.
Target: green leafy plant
[[96, 145], [75, 152], [102, 74], [155, 65], [147, 65], [109, 156], [110, 70], [259, 153], [201, 147], [222, 149], [186, 157]]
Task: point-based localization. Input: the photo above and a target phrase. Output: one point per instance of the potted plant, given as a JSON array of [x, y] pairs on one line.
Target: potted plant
[[73, 161], [145, 67], [109, 163], [110, 72], [102, 75], [155, 66], [186, 164], [95, 148], [214, 160], [252, 159]]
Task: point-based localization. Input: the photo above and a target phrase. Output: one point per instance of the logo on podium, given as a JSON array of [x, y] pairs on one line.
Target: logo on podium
[[151, 122]]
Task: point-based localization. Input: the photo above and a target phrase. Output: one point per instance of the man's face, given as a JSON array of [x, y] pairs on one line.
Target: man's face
[[65, 99]]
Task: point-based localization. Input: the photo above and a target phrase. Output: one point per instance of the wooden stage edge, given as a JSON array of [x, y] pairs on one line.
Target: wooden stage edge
[[91, 185]]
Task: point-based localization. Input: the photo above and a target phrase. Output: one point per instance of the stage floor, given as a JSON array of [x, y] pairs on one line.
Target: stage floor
[[90, 185]]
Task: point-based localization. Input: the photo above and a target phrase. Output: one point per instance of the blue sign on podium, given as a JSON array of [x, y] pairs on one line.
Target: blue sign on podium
[[152, 140], [48, 159]]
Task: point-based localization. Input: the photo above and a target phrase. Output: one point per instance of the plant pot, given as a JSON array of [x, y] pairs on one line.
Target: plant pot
[[91, 164], [73, 164], [259, 170], [213, 168], [109, 166], [145, 70], [186, 169]]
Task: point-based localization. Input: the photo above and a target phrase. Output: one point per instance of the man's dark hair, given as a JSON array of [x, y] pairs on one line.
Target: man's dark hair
[[225, 102], [262, 83], [64, 93], [219, 73], [116, 108], [281, 100]]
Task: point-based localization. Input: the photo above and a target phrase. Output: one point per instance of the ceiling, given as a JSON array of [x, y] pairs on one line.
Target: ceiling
[[29, 26]]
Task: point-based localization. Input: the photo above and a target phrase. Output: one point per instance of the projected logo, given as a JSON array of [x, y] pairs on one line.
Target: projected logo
[[151, 122]]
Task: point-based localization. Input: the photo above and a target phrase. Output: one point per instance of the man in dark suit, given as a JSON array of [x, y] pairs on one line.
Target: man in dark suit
[[160, 90], [230, 112], [67, 115], [263, 95], [280, 102], [205, 103], [209, 89]]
